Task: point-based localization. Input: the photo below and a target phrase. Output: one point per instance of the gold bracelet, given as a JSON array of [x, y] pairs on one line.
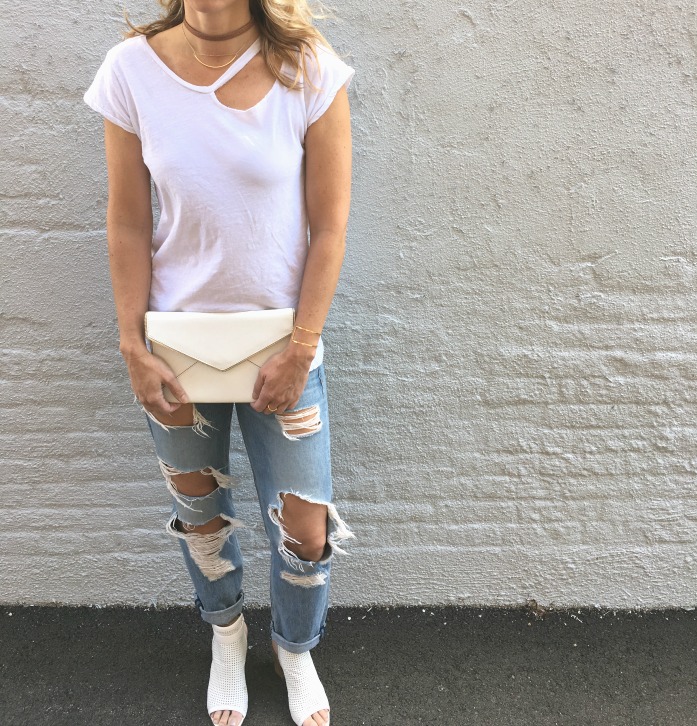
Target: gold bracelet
[[299, 342], [300, 327]]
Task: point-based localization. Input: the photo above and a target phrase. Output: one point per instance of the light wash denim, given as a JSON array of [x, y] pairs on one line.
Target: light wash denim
[[282, 462]]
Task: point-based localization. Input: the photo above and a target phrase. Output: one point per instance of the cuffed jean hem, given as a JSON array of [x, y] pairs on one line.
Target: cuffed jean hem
[[295, 647], [222, 617]]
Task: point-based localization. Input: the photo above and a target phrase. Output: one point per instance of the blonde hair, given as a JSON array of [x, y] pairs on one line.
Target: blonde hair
[[285, 28]]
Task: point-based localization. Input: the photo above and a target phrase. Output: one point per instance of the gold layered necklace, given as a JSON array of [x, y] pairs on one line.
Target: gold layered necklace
[[204, 36]]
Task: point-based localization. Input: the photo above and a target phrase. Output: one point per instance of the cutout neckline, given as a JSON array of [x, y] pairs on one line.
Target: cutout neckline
[[237, 65]]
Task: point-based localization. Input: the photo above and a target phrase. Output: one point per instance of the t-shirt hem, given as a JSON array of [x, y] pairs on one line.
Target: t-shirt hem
[[319, 356]]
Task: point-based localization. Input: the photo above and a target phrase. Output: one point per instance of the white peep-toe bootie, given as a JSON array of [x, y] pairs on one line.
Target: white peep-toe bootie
[[227, 687], [306, 693]]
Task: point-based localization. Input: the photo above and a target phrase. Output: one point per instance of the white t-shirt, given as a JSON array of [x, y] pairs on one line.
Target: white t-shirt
[[233, 229]]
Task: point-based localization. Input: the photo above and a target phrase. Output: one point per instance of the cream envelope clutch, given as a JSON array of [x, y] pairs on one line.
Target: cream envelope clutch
[[217, 356]]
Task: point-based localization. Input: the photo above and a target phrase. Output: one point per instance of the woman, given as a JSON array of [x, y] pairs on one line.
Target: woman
[[238, 111]]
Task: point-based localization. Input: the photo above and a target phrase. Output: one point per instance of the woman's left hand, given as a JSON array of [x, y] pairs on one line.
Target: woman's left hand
[[282, 379]]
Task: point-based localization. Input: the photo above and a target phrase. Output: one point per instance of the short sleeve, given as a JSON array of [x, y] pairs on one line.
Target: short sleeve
[[327, 79], [109, 96]]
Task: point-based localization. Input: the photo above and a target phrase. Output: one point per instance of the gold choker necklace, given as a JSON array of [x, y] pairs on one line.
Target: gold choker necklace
[[223, 65]]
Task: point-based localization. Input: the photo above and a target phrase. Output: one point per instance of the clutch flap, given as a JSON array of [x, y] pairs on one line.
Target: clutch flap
[[220, 340]]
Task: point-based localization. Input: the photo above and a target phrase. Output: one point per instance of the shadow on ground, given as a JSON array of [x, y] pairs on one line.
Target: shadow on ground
[[381, 667]]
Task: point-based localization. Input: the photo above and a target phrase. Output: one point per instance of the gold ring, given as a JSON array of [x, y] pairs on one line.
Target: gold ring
[[271, 409]]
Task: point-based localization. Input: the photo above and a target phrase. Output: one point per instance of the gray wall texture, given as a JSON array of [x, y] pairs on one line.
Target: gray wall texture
[[512, 352]]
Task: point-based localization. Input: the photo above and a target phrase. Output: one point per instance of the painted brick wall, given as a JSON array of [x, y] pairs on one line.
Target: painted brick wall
[[512, 353]]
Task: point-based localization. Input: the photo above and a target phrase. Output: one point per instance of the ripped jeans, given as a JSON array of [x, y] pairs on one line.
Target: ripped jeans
[[282, 463]]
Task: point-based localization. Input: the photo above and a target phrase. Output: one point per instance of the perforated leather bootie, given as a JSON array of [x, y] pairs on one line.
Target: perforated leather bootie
[[227, 687], [306, 693]]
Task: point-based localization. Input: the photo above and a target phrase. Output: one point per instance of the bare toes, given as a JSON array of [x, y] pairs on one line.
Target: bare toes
[[226, 718], [321, 718]]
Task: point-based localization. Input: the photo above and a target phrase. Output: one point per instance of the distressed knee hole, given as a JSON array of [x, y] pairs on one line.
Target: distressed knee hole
[[209, 475], [205, 547], [337, 533], [305, 524], [194, 483], [300, 424]]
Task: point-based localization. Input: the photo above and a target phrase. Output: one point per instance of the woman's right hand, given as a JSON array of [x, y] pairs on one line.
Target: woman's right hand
[[148, 374]]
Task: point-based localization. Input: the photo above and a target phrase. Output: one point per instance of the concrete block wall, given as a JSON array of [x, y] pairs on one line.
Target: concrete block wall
[[512, 353]]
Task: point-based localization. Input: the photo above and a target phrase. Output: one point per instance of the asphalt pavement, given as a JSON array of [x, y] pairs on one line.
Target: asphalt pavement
[[380, 666]]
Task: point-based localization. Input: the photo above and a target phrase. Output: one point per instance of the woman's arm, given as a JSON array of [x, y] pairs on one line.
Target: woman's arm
[[282, 378], [129, 227]]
